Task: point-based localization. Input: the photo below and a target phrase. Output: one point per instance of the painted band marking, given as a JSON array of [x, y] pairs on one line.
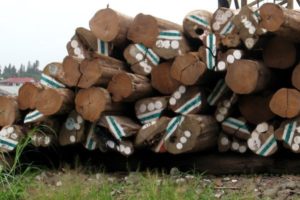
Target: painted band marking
[[227, 29], [268, 146], [170, 35], [217, 92], [190, 105], [289, 131], [172, 126], [102, 47], [150, 116], [199, 20], [211, 51], [33, 116], [115, 128], [149, 53], [51, 82]]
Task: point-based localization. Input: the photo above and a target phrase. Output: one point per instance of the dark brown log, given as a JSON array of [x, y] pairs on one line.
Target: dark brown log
[[279, 53], [162, 80], [197, 23], [284, 22], [10, 136], [255, 108], [145, 29], [123, 147], [289, 133], [296, 77], [228, 58], [119, 126], [99, 71], [87, 38], [188, 100], [141, 59], [72, 131], [225, 107], [28, 95], [71, 72], [188, 68], [285, 103], [247, 76], [191, 133], [129, 87], [150, 109], [151, 134], [52, 101], [91, 102], [9, 112], [224, 142], [237, 127], [111, 26], [262, 141], [76, 49]]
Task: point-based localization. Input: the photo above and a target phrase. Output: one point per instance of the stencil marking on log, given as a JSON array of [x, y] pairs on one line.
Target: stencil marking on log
[[227, 29], [102, 47], [170, 35], [236, 124], [211, 51], [199, 20], [90, 143], [148, 53], [289, 131], [268, 146], [51, 82], [150, 116], [115, 127], [32, 116], [217, 92], [190, 105], [173, 125]]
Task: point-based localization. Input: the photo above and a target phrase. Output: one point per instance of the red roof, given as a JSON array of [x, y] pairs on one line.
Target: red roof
[[18, 80]]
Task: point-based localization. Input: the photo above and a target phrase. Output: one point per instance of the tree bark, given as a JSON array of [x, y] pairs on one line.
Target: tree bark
[[111, 26], [285, 103], [162, 80], [129, 87], [247, 76]]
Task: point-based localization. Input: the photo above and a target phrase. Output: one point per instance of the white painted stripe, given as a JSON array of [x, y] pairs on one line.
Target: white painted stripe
[[31, 118], [181, 108], [172, 126], [8, 147], [190, 17], [115, 130], [213, 99], [51, 82], [149, 54], [292, 132], [264, 145], [174, 35], [227, 29]]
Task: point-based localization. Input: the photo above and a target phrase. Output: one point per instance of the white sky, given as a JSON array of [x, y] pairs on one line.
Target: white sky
[[40, 29]]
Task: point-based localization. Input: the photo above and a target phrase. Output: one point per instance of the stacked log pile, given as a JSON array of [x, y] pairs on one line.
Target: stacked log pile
[[228, 80]]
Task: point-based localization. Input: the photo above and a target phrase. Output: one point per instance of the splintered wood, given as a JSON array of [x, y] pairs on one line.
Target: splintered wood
[[226, 80]]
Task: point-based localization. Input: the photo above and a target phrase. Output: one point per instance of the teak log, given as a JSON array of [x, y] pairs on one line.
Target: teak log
[[141, 59], [71, 71], [197, 23], [228, 58], [28, 95], [191, 133], [72, 130], [92, 139], [296, 77], [284, 22], [34, 117], [129, 87], [99, 71], [52, 101], [87, 38], [162, 80], [119, 126], [255, 108], [188, 68], [219, 92], [151, 134], [150, 109], [145, 29], [224, 142], [188, 100], [247, 76], [9, 112], [289, 133], [208, 52], [225, 108], [285, 103], [279, 53], [237, 127], [76, 49], [111, 26], [54, 70], [10, 136], [91, 102], [222, 21], [262, 141]]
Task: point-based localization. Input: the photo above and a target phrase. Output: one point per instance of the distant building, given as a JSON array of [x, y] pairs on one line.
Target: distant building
[[13, 84]]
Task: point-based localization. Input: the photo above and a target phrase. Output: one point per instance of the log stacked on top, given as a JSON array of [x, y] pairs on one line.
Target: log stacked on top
[[225, 80]]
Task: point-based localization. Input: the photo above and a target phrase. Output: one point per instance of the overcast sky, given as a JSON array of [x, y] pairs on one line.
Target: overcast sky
[[40, 29]]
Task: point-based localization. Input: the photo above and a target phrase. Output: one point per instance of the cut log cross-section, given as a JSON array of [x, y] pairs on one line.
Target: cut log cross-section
[[188, 100], [141, 59], [262, 141], [52, 101], [111, 26], [99, 71], [188, 68], [76, 49], [197, 23], [191, 133], [71, 71], [91, 102], [208, 52], [162, 80], [129, 87], [247, 76], [239, 146], [285, 103], [225, 107], [219, 92], [237, 127], [150, 109], [284, 22], [10, 136], [28, 95], [228, 58], [87, 38], [9, 111]]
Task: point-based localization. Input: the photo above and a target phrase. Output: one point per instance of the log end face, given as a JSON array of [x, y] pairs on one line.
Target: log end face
[[105, 24], [272, 17], [242, 77], [71, 71], [27, 96], [49, 101], [120, 87], [144, 29], [8, 109], [91, 73]]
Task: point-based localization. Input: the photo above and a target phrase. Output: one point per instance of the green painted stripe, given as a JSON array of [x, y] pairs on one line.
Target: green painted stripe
[[236, 123], [266, 148], [170, 34], [4, 142], [216, 91], [196, 101], [90, 144], [118, 132], [200, 20], [53, 83], [288, 132], [151, 117], [154, 58], [173, 124]]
